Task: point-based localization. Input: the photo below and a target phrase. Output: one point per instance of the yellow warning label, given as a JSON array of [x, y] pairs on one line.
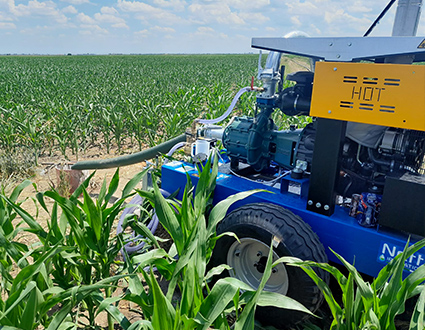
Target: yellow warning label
[[379, 94]]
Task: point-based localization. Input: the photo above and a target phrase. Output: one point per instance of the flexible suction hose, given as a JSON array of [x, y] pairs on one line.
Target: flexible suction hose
[[130, 159], [135, 203], [229, 109]]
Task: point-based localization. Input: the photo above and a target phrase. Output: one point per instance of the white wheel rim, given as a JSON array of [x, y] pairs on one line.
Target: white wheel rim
[[248, 259]]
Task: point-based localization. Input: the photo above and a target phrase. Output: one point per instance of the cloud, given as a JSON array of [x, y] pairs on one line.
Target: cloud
[[70, 10], [120, 26], [304, 8], [176, 5], [135, 6], [90, 29], [3, 17], [146, 12], [163, 29], [296, 20], [315, 29], [340, 16], [215, 13], [36, 8], [76, 2], [247, 5], [332, 17], [258, 18], [359, 7], [205, 30], [142, 33], [107, 15], [109, 10], [271, 29], [7, 26], [108, 18], [85, 19]]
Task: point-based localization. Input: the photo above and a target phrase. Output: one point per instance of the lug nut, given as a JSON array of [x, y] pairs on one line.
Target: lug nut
[[259, 254], [274, 270], [237, 253]]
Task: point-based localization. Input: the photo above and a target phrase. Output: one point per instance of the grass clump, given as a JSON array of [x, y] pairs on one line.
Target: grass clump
[[16, 165]]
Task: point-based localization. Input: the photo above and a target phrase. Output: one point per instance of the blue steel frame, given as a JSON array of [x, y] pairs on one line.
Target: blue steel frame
[[369, 248]]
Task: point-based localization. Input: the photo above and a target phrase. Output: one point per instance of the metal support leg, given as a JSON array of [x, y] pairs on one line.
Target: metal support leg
[[326, 165]]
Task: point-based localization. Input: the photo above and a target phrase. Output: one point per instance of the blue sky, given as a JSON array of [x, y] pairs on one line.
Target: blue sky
[[176, 26]]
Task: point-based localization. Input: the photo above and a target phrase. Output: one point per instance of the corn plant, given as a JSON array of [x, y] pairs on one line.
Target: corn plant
[[72, 265], [82, 232], [22, 307], [194, 238], [371, 305], [10, 250], [34, 300]]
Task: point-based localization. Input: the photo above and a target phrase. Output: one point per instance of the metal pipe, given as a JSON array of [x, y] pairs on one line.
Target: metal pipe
[[211, 132], [130, 159], [373, 158]]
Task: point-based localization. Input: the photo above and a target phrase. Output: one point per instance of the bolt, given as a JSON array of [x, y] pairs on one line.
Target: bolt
[[326, 207], [338, 56], [310, 202], [330, 44], [259, 254], [329, 111], [349, 44], [318, 205], [237, 253], [335, 69]]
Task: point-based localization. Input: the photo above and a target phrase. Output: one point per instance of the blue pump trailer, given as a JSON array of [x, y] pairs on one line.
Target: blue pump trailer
[[352, 181], [366, 144], [369, 248]]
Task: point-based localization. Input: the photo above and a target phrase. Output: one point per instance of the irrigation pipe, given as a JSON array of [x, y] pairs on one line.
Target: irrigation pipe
[[130, 159]]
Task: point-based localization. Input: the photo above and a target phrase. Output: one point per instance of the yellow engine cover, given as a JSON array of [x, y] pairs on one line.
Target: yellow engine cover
[[379, 94]]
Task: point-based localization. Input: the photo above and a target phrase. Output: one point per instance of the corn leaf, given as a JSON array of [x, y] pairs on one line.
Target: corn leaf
[[29, 314], [215, 303], [220, 209], [168, 219], [18, 189], [417, 322], [133, 183], [163, 312], [93, 215]]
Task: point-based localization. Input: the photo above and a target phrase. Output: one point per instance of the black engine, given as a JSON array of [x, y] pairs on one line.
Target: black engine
[[370, 153]]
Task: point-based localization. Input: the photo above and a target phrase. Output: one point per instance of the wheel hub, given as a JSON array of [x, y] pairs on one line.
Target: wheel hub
[[248, 261]]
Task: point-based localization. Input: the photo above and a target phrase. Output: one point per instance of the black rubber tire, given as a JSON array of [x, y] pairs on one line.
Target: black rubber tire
[[262, 221]]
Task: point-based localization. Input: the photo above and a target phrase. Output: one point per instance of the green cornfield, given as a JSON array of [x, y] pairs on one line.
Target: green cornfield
[[67, 104], [70, 103]]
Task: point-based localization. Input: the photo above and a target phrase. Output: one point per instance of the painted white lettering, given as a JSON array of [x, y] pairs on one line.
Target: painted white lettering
[[418, 261], [390, 252], [411, 258]]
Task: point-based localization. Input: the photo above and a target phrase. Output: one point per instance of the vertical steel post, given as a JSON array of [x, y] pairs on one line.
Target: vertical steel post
[[407, 18], [405, 25]]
